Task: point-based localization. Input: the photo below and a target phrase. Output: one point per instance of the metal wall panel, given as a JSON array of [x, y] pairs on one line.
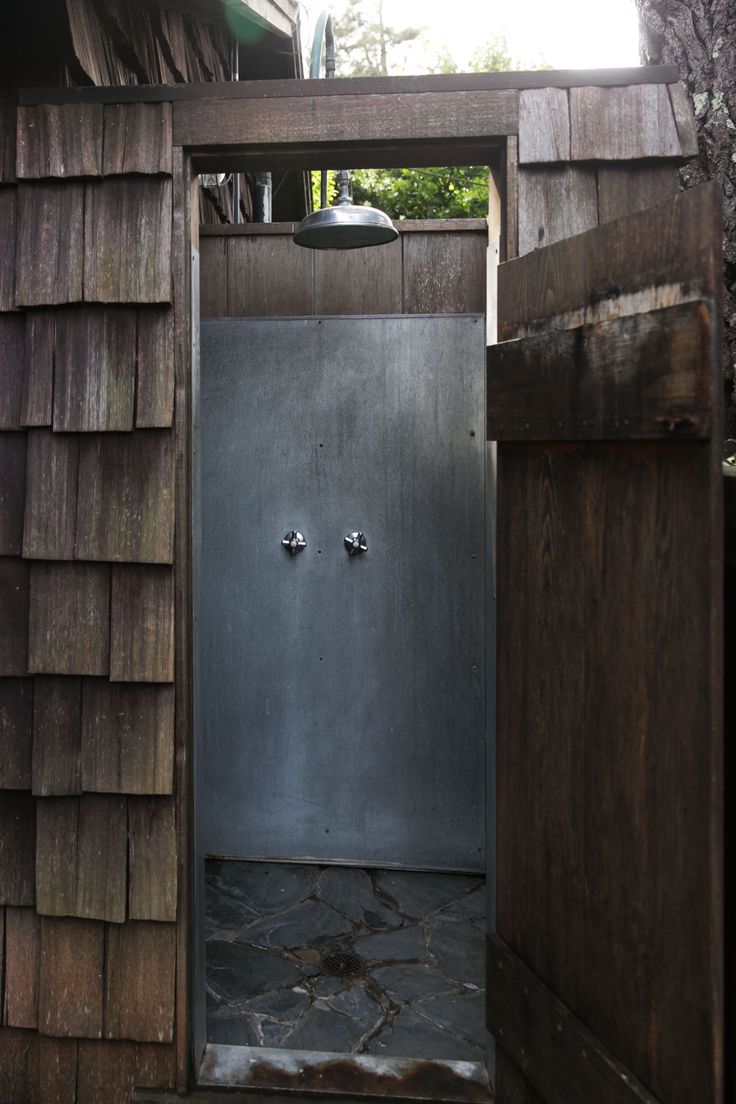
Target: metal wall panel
[[342, 701]]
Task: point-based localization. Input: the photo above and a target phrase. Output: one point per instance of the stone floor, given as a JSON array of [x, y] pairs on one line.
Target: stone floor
[[338, 959]]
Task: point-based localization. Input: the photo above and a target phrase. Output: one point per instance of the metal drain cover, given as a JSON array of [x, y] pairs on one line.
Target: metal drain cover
[[344, 964]]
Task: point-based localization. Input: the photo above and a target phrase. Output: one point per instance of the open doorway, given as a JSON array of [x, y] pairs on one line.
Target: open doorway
[[342, 797]]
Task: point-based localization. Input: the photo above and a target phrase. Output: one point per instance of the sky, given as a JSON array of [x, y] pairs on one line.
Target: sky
[[566, 34]]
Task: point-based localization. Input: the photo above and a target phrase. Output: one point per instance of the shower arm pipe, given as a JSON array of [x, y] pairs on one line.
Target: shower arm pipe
[[324, 32]]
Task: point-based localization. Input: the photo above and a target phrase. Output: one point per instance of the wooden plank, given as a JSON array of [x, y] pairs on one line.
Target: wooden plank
[[687, 130], [444, 273], [155, 394], [142, 624], [546, 1040], [269, 276], [555, 203], [152, 859], [38, 385], [14, 598], [127, 241], [641, 377], [286, 229], [57, 734], [590, 277], [94, 378], [8, 246], [127, 738], [125, 510], [139, 982], [70, 619], [110, 1071], [625, 189], [16, 733], [12, 492], [213, 276], [22, 939], [71, 978], [137, 138], [59, 140], [457, 82], [17, 848], [18, 1065], [622, 124], [8, 111], [49, 254], [359, 281], [57, 1070], [51, 496], [81, 857], [348, 118], [544, 125], [12, 339]]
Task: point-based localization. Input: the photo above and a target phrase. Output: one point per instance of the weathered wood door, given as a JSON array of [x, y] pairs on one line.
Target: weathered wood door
[[604, 974]]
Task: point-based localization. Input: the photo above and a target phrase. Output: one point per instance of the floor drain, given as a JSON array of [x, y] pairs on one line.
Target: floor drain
[[344, 964]]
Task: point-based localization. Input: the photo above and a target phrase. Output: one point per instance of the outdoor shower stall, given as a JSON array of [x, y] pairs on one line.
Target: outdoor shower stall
[[166, 445]]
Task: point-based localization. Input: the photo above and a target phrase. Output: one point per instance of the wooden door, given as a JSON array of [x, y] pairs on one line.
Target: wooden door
[[604, 973]]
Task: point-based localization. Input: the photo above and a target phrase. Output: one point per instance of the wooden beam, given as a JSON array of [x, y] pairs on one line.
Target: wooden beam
[[355, 86], [643, 377], [550, 1045]]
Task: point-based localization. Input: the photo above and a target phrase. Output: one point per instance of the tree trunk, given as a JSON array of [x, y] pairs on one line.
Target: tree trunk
[[699, 37]]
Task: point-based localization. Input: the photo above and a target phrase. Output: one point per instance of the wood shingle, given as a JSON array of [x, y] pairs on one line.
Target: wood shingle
[[142, 624], [57, 734], [69, 619], [155, 396], [16, 733], [12, 352], [137, 138], [94, 378], [14, 601], [71, 990], [12, 492], [151, 858], [20, 1003], [127, 737], [139, 982], [8, 245], [38, 383], [127, 241], [51, 495], [17, 848], [50, 249], [58, 140]]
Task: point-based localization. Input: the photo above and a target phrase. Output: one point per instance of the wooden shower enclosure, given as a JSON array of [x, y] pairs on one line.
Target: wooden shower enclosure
[[98, 292]]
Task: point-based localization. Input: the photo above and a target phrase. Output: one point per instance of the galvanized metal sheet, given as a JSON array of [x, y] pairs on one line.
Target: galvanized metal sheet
[[342, 699]]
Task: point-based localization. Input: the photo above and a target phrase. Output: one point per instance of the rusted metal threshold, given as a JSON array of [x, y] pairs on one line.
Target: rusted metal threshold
[[303, 1072]]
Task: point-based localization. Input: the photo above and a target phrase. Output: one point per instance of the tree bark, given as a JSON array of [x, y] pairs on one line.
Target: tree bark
[[699, 36]]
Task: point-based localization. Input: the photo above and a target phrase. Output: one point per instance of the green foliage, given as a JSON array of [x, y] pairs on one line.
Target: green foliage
[[458, 192]]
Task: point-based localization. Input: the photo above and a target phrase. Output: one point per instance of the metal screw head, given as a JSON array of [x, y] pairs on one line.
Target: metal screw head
[[293, 542], [356, 543]]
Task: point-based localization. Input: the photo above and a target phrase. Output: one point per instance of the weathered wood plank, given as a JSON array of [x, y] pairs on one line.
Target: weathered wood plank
[[12, 340], [20, 1004], [544, 125], [142, 624], [8, 110], [51, 496], [37, 406], [94, 379], [624, 189], [18, 1065], [14, 599], [127, 738], [622, 124], [687, 130], [59, 140], [57, 735], [347, 118], [81, 857], [213, 276], [16, 733], [510, 245], [70, 619], [139, 982], [17, 848], [12, 492], [155, 397], [8, 246], [125, 510], [71, 978], [641, 377], [269, 276], [444, 273], [152, 858], [57, 1070], [359, 281], [110, 1071], [127, 241], [590, 277], [49, 253], [138, 138], [555, 203], [546, 1039]]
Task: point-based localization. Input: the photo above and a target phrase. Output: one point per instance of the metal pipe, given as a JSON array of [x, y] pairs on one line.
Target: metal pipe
[[324, 31], [235, 75]]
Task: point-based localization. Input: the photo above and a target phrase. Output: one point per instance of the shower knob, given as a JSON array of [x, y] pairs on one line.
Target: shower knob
[[293, 542], [355, 544]]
